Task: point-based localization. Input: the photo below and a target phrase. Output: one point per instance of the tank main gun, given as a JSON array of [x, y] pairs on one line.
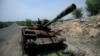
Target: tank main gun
[[62, 14]]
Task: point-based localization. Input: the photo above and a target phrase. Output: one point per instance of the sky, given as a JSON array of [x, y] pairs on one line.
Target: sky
[[18, 10]]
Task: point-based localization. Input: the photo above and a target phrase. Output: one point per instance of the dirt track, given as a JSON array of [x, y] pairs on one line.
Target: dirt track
[[10, 40]]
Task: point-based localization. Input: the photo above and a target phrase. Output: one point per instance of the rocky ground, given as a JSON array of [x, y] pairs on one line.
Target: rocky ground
[[82, 36]]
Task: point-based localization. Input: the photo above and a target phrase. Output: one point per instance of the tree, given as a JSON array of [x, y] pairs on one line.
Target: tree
[[93, 7], [28, 22], [78, 13]]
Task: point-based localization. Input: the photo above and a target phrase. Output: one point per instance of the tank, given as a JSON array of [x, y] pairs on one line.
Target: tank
[[40, 34]]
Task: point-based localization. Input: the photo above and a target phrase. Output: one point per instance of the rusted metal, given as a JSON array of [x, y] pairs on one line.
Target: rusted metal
[[41, 34]]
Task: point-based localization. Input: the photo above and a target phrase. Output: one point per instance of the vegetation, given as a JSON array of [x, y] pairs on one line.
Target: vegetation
[[78, 13], [93, 7], [5, 24], [22, 23], [28, 22], [60, 20]]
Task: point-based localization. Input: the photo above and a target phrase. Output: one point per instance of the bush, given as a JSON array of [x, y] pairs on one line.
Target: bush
[[21, 23], [5, 24], [78, 13], [28, 22], [93, 7]]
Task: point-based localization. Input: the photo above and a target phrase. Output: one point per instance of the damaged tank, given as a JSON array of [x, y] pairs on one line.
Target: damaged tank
[[41, 34]]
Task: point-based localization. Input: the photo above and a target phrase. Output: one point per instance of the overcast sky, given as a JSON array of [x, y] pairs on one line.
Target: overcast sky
[[16, 10]]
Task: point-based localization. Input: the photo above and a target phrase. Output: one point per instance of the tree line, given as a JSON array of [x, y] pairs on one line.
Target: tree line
[[5, 24]]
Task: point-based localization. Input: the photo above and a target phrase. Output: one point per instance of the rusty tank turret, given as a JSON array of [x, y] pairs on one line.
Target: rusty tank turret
[[41, 33]]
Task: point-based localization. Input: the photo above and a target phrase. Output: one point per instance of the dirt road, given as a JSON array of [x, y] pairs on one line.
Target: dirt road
[[10, 41]]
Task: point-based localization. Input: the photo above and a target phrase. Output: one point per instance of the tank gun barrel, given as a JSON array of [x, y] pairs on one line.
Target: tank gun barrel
[[62, 14]]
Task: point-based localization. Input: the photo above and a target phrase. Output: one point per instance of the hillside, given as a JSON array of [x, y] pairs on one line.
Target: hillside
[[82, 36]]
